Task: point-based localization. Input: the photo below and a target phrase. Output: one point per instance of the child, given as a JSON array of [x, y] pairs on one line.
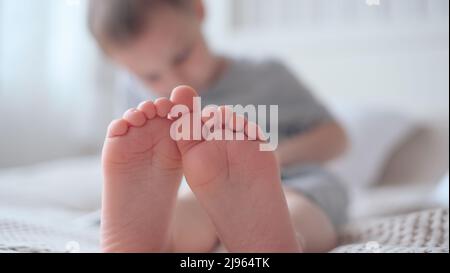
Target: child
[[240, 200]]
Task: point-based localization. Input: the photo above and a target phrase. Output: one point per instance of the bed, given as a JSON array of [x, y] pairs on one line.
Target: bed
[[54, 206]]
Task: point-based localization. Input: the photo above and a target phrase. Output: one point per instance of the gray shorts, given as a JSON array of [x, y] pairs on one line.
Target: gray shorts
[[321, 187]]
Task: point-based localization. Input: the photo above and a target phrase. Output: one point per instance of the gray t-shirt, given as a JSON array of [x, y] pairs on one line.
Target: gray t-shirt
[[247, 82]]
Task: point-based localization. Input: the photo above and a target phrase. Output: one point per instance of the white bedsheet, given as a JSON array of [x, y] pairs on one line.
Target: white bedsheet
[[54, 207]]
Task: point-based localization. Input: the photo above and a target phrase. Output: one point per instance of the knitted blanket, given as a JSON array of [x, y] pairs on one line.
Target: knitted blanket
[[426, 231], [421, 232], [46, 233]]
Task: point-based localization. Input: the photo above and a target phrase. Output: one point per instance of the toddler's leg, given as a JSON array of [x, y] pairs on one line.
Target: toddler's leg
[[314, 229], [193, 231]]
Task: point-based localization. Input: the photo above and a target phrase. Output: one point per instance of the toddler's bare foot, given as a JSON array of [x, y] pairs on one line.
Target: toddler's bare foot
[[239, 186], [142, 172]]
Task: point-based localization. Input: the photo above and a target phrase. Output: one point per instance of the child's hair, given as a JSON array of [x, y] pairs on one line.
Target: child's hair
[[120, 21]]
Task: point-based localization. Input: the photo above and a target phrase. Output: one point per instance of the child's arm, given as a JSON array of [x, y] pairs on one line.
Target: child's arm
[[319, 145]]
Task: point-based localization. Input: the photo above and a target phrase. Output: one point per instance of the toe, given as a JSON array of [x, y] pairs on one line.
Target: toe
[[210, 112], [211, 118], [118, 128], [231, 120], [148, 108], [254, 132], [135, 118], [226, 114], [184, 95], [237, 123], [163, 107]]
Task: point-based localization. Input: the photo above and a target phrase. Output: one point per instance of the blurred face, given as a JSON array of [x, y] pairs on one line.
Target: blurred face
[[171, 52]]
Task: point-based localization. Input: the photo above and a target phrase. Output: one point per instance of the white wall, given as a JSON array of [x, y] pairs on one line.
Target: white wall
[[393, 55]]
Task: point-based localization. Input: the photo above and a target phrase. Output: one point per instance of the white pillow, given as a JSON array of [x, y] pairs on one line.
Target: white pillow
[[373, 135], [73, 184], [440, 196]]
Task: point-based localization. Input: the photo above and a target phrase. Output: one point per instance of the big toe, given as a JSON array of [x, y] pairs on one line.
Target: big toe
[[184, 95]]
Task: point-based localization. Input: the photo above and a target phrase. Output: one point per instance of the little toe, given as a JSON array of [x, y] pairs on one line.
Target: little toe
[[118, 128]]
